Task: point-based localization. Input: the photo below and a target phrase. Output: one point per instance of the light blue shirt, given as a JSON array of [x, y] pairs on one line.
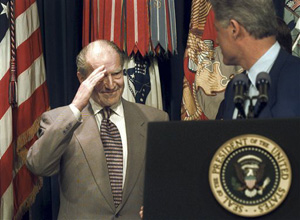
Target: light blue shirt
[[264, 64]]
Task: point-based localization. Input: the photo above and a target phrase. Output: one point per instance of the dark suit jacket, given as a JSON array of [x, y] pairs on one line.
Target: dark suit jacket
[[284, 93], [74, 150]]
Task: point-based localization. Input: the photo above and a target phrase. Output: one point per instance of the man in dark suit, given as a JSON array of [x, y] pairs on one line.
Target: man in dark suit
[[247, 36], [70, 143]]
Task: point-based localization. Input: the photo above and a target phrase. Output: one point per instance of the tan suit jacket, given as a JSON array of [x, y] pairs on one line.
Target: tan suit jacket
[[74, 150]]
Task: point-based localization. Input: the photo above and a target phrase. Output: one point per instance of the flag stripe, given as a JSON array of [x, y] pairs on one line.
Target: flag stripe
[[119, 29], [6, 151], [97, 16], [168, 26], [6, 166], [20, 8], [5, 55], [136, 30], [158, 25], [107, 18], [137, 27], [25, 61], [101, 17], [6, 131], [30, 80], [112, 20], [94, 21], [4, 83], [143, 27], [6, 203], [130, 26], [25, 20], [39, 99]]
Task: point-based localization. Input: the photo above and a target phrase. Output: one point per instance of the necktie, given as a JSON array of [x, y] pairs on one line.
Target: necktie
[[112, 144], [249, 104]]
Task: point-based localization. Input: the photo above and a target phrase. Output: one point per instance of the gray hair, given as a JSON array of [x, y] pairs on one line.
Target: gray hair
[[83, 67], [258, 17]]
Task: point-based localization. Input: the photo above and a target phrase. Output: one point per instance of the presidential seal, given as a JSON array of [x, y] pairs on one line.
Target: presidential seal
[[250, 175]]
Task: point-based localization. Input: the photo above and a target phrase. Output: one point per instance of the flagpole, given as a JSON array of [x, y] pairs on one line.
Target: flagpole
[[12, 93], [13, 58]]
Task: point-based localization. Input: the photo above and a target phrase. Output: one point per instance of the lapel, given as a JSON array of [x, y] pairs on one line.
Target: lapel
[[89, 138], [274, 75], [229, 105], [136, 143]]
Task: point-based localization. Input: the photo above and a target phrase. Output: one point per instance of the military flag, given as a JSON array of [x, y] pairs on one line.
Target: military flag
[[142, 82], [205, 75], [136, 26]]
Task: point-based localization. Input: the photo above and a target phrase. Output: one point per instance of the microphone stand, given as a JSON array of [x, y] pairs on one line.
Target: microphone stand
[[241, 85], [240, 107], [251, 114]]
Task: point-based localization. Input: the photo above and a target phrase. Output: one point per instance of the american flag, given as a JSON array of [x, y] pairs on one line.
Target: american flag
[[19, 124]]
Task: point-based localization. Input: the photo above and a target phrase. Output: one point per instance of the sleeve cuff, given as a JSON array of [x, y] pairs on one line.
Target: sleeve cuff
[[76, 112]]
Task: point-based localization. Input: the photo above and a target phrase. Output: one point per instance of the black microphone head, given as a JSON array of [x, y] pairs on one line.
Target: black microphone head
[[241, 79], [263, 77], [263, 83], [240, 86]]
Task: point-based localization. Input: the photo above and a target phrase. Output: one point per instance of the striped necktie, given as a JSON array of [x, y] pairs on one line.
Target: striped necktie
[[112, 145]]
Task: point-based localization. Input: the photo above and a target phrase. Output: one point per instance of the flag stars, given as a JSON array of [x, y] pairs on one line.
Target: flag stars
[[5, 9]]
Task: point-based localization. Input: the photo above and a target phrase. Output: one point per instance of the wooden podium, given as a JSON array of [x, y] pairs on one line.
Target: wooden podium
[[179, 164]]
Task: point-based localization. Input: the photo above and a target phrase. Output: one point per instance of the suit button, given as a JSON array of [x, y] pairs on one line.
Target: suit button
[[117, 215]]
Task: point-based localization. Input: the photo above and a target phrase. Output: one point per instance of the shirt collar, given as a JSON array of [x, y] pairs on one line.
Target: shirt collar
[[117, 108], [264, 63]]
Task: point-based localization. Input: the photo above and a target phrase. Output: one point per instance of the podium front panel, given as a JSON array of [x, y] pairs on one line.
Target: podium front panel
[[178, 159]]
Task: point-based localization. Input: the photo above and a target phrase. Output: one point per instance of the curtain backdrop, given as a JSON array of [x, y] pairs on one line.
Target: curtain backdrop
[[61, 25]]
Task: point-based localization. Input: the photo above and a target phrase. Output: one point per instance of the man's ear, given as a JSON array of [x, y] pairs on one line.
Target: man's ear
[[80, 77], [235, 28]]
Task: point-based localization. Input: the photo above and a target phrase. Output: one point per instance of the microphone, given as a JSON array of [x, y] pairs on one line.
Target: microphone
[[240, 86], [263, 83]]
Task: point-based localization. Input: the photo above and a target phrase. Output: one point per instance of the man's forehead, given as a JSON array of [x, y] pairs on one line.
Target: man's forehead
[[100, 51], [100, 56]]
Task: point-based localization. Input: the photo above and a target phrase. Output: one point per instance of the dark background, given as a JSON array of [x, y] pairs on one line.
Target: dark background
[[61, 26]]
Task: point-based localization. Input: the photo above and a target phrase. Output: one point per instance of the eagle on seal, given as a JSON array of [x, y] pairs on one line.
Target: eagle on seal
[[250, 172]]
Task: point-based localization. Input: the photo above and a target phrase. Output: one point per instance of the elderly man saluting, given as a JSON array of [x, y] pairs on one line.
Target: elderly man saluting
[[97, 143]]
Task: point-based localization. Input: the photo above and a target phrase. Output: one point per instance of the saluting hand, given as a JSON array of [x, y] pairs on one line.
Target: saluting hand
[[86, 87]]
